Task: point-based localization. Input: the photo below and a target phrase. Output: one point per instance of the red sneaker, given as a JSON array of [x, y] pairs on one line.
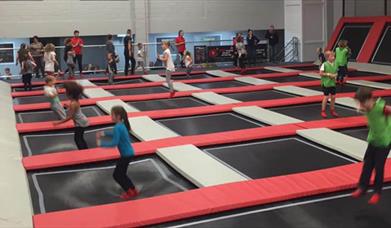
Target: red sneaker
[[172, 94], [334, 114], [323, 114], [129, 194], [374, 199], [359, 192]]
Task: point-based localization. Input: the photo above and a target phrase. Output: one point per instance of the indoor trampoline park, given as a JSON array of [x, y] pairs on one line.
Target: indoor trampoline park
[[212, 113]]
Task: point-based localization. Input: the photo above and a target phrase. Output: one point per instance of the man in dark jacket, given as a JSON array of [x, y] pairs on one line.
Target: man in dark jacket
[[272, 36]]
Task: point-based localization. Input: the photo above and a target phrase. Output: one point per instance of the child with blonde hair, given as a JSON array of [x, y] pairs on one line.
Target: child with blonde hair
[[49, 58]]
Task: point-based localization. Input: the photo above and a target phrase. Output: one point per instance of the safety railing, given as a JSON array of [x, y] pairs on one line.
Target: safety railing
[[290, 52]]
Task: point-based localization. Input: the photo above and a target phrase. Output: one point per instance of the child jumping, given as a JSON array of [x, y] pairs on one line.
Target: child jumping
[[342, 53], [121, 140], [328, 73], [166, 58], [140, 57], [188, 63], [74, 91], [379, 140], [27, 73], [51, 92], [49, 58], [69, 56]]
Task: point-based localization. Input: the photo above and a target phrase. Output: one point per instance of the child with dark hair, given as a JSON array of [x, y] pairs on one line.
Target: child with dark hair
[[379, 140], [120, 139], [27, 73], [69, 56], [342, 53], [321, 57], [74, 92]]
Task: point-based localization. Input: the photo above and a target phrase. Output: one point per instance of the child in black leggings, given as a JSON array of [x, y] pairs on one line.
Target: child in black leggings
[[27, 73]]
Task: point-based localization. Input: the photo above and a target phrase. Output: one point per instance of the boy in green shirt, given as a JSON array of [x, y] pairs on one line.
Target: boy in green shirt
[[379, 139], [342, 53], [328, 73]]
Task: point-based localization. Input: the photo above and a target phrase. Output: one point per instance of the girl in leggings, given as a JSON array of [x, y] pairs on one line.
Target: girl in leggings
[[120, 139], [74, 92], [166, 58]]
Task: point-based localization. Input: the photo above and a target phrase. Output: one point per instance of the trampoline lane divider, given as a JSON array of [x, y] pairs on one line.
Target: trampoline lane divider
[[107, 105], [376, 85], [85, 83], [254, 81], [345, 144], [310, 75], [265, 116], [346, 101], [214, 98], [198, 167], [153, 78], [220, 73], [96, 93], [146, 129], [180, 86], [300, 91], [281, 69]]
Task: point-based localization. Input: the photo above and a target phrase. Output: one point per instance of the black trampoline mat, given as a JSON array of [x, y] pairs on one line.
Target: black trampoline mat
[[50, 142], [337, 210], [258, 95], [192, 76], [388, 100], [138, 91], [122, 81], [382, 53], [71, 188], [205, 124], [276, 157], [257, 71], [37, 99], [359, 73], [346, 88], [215, 85], [314, 67], [291, 79], [356, 35], [310, 112], [185, 102], [42, 116], [21, 89], [360, 133]]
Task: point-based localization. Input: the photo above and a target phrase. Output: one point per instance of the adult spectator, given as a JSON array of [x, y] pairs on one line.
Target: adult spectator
[[128, 52], [180, 44], [272, 36], [77, 44], [36, 49], [252, 42]]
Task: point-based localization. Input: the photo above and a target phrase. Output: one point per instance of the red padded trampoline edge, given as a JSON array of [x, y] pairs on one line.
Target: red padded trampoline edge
[[208, 200]]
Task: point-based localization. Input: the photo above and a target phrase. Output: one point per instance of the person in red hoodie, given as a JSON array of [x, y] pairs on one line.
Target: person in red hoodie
[[180, 44], [77, 44]]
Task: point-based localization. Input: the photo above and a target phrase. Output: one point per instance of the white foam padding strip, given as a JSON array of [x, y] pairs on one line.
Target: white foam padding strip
[[265, 116], [334, 140], [311, 75], [146, 129], [15, 206], [214, 98], [198, 167], [281, 69], [296, 90], [370, 67], [254, 81], [346, 101], [153, 78], [96, 93], [85, 83], [107, 105], [180, 86], [220, 73], [377, 85]]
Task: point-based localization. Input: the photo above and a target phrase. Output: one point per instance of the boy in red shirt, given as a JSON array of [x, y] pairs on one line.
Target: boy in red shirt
[[77, 44], [180, 44]]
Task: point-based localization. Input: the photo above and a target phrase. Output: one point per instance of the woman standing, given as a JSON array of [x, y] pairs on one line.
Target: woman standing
[[252, 42], [36, 49]]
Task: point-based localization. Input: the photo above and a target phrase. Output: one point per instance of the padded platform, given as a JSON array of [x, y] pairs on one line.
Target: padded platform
[[146, 129], [96, 93], [253, 81], [342, 143], [109, 104], [214, 98], [198, 167], [172, 103], [85, 83], [258, 95], [281, 69], [220, 73], [346, 101], [265, 116], [377, 85], [153, 78], [300, 91], [376, 68], [311, 75], [180, 86]]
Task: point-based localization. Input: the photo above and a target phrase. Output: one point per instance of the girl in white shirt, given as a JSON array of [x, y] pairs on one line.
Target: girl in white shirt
[[188, 63], [49, 58], [166, 58]]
